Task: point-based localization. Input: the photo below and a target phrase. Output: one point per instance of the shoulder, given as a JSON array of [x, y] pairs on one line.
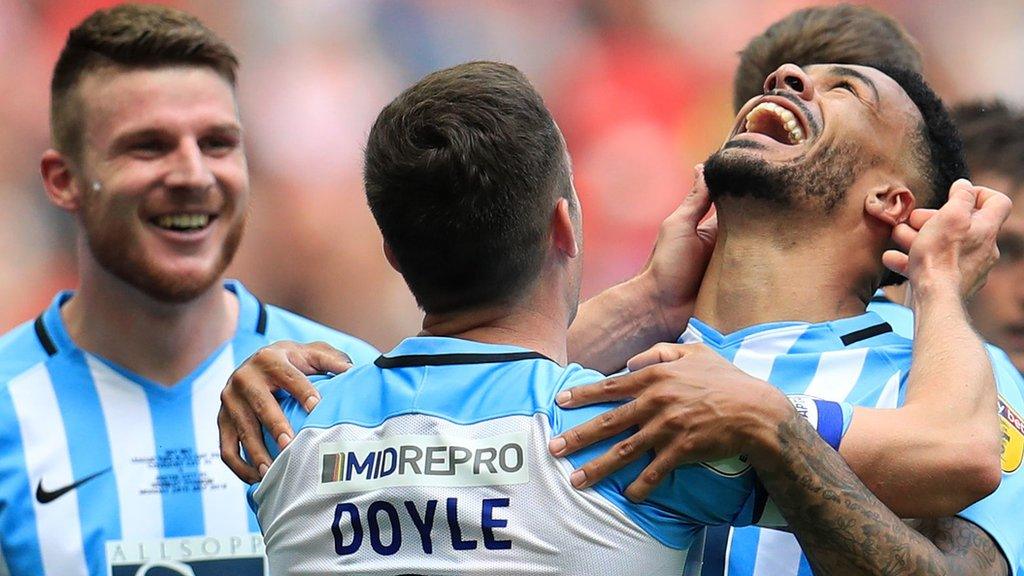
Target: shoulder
[[20, 350], [285, 325], [575, 375], [22, 365], [898, 316], [1008, 378], [463, 393]]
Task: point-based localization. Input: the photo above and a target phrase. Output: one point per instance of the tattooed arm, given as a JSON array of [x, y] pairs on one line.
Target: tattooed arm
[[844, 529]]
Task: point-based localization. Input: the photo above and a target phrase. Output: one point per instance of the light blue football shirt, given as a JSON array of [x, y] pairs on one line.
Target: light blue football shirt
[[435, 459], [863, 361], [96, 459]]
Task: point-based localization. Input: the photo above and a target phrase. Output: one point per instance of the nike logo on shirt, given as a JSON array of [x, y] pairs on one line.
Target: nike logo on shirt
[[44, 496]]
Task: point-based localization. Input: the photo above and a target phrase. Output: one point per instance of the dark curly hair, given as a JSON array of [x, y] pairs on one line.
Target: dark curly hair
[[940, 151]]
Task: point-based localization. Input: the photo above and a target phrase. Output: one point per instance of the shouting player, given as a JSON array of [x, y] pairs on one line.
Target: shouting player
[[817, 197], [429, 459]]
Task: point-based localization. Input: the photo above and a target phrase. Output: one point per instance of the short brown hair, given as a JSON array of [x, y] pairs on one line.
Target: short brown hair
[[462, 173], [129, 36], [993, 134], [841, 34]]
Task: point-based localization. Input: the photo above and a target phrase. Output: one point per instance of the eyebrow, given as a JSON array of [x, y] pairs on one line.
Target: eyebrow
[[851, 73], [132, 136]]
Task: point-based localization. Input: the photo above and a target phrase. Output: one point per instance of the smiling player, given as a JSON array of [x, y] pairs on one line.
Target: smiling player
[[108, 400], [428, 460]]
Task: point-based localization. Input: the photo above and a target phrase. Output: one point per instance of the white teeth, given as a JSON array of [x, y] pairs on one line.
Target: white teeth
[[183, 221], [795, 131]]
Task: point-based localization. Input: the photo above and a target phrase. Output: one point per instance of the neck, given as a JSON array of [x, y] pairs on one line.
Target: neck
[[525, 324], [161, 341], [762, 276]]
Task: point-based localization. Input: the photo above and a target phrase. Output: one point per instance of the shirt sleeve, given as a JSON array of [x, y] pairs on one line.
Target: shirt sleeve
[[999, 513]]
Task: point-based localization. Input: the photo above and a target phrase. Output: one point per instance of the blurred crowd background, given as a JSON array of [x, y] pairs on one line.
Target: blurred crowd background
[[641, 89]]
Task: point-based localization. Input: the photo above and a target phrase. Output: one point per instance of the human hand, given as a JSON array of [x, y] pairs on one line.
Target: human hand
[[248, 403], [690, 405], [686, 239], [955, 244]]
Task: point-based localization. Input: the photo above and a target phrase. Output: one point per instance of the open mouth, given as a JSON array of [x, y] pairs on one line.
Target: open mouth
[[776, 117], [774, 121], [183, 222]]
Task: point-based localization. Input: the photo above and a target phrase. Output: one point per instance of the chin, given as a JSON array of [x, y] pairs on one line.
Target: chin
[[166, 278], [162, 273], [175, 286], [742, 172], [821, 179]]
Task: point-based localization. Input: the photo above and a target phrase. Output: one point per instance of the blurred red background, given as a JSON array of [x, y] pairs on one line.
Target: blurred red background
[[641, 90]]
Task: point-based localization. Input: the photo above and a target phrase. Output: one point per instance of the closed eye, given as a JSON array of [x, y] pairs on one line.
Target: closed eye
[[845, 86]]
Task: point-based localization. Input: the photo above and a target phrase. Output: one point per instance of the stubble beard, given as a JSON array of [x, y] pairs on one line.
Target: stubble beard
[[118, 252]]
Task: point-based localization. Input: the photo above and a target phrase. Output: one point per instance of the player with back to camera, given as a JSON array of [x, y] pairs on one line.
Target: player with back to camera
[[434, 458], [841, 34], [108, 445]]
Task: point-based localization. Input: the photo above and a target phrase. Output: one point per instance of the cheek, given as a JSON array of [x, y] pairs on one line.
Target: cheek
[[110, 208], [233, 177]]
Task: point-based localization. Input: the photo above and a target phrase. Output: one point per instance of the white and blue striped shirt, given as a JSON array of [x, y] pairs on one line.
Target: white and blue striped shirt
[[105, 472], [435, 460], [860, 361]]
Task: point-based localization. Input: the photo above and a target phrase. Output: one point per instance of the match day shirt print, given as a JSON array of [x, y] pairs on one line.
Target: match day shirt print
[[104, 473], [434, 460]]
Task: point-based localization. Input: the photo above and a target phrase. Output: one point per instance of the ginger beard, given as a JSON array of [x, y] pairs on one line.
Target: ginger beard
[[113, 240]]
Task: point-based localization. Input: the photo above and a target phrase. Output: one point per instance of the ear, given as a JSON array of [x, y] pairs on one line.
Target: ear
[[61, 187], [891, 204], [562, 230], [390, 255]]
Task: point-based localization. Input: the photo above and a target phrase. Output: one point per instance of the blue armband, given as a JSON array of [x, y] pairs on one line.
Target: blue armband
[[829, 418]]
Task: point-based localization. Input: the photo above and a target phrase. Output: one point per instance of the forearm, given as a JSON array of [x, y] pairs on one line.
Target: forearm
[[842, 528], [939, 452], [952, 376], [619, 323]]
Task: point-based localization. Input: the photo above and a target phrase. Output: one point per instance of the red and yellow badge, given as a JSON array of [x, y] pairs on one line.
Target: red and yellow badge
[[1013, 437]]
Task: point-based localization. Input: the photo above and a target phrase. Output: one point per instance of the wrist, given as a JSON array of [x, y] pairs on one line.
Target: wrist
[[936, 293], [669, 311], [768, 411], [933, 283]]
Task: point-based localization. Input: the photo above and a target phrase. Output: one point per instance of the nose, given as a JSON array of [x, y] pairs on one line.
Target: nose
[[792, 78], [189, 169]]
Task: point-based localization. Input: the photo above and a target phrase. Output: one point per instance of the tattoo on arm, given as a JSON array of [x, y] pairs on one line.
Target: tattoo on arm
[[845, 530], [968, 549]]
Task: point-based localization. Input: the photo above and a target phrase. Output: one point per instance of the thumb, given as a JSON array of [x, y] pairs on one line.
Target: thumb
[[963, 195], [696, 207], [896, 261]]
